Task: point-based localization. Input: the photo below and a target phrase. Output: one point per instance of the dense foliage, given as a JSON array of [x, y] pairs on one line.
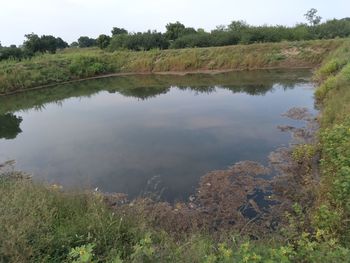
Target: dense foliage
[[139, 41], [238, 32], [11, 52], [177, 35], [31, 46], [85, 41], [35, 44]]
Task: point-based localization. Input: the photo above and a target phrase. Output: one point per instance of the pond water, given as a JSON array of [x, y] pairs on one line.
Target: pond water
[[149, 133]]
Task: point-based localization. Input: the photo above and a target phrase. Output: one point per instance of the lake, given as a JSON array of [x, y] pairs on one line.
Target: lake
[[150, 133]]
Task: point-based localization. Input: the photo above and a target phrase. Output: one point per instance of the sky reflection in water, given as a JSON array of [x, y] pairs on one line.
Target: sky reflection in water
[[128, 134]]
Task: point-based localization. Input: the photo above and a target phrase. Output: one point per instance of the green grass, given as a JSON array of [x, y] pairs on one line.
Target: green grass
[[333, 95], [40, 223], [75, 64]]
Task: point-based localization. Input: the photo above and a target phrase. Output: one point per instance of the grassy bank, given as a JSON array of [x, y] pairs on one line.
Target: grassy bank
[[333, 95], [77, 64], [41, 223]]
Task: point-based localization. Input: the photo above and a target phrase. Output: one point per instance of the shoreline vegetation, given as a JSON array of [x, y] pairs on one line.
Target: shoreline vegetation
[[70, 65], [309, 222]]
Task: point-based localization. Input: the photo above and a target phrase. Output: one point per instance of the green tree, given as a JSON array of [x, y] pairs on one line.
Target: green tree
[[118, 31], [174, 30], [312, 17], [139, 41], [48, 43], [60, 44], [11, 52], [238, 26], [32, 44], [45, 43], [74, 44], [103, 41], [85, 41]]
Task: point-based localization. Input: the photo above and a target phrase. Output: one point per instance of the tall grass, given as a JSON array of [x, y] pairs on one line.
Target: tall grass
[[39, 224], [333, 96], [71, 65]]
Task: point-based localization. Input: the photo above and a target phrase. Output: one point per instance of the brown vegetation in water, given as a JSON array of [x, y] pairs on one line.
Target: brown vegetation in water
[[247, 197], [222, 201]]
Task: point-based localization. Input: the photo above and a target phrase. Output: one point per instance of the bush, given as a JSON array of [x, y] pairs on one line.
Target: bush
[[139, 41], [12, 52], [88, 66]]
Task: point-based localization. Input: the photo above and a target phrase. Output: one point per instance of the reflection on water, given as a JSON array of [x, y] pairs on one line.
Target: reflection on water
[[146, 133], [9, 126]]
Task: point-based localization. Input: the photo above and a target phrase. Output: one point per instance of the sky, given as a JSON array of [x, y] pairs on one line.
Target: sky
[[70, 19]]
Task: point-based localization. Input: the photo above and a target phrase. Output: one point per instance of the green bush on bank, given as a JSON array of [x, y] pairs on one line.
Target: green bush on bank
[[334, 215]]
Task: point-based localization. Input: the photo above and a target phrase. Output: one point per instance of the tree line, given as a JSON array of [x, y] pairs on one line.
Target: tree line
[[177, 35], [33, 45]]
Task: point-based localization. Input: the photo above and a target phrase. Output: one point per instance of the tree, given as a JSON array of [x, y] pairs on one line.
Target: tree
[[85, 41], [312, 17], [118, 31], [238, 26], [11, 52], [48, 43], [188, 31], [139, 41], [32, 44], [174, 30], [74, 44], [45, 43], [60, 44], [103, 41], [219, 28]]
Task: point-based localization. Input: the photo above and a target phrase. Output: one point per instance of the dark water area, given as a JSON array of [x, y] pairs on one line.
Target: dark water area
[[149, 133]]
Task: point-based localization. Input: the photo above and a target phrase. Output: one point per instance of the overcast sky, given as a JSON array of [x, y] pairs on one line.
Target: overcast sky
[[70, 19]]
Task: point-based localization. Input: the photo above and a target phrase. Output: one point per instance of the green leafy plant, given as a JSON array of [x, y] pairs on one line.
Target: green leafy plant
[[82, 254], [143, 250]]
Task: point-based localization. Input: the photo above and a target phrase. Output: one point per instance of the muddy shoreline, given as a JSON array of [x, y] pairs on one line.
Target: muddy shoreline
[[243, 197]]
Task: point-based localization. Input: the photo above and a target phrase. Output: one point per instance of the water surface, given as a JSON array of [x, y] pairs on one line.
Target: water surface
[[140, 133]]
